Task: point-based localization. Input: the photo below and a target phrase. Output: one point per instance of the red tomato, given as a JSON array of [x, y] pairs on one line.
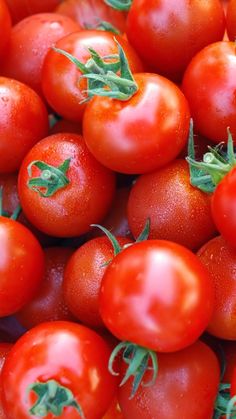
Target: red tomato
[[83, 277], [114, 411], [5, 25], [186, 219], [209, 84], [31, 39], [229, 350], [4, 350], [223, 207], [231, 20], [167, 34], [71, 354], [48, 304], [164, 293], [84, 199], [22, 266], [60, 78], [132, 136], [88, 13], [181, 389], [19, 9], [220, 261], [23, 122]]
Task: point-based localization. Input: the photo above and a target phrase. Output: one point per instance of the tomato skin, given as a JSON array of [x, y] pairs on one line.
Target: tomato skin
[[4, 350], [114, 411], [167, 34], [181, 388], [39, 355], [152, 283], [71, 210], [211, 98], [22, 266], [132, 136], [60, 77], [5, 25], [83, 276], [19, 9], [231, 20], [20, 107], [220, 261], [90, 12], [30, 41], [186, 220], [48, 304]]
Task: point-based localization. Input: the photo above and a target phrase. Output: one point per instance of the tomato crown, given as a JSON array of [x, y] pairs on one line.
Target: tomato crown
[[103, 25], [119, 4]]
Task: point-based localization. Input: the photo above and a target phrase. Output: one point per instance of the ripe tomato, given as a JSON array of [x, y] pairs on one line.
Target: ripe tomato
[[186, 220], [167, 34], [181, 389], [60, 77], [30, 41], [19, 9], [132, 136], [231, 20], [88, 13], [83, 276], [223, 207], [21, 268], [85, 197], [23, 122], [71, 354], [5, 25], [114, 411], [220, 261], [211, 98], [48, 304], [162, 291], [4, 350], [229, 350]]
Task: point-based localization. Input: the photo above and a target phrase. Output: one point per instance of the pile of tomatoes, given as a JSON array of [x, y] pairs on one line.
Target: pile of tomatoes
[[117, 209]]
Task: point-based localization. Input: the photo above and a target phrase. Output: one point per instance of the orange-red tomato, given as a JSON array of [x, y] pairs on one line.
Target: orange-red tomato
[[5, 25]]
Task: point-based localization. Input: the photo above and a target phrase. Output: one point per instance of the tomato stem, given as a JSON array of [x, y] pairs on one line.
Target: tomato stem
[[231, 408], [102, 25], [52, 398], [119, 4]]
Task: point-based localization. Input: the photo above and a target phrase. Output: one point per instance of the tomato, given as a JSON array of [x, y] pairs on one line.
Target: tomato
[[88, 13], [4, 350], [209, 85], [22, 266], [60, 77], [162, 291], [185, 220], [114, 411], [83, 276], [5, 25], [233, 384], [231, 20], [23, 122], [21, 8], [48, 304], [167, 34], [229, 351], [84, 198], [31, 39], [132, 136], [71, 354], [181, 389], [223, 207], [220, 261]]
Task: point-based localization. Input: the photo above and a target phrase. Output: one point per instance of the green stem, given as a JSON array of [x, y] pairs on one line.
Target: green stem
[[102, 25], [121, 5]]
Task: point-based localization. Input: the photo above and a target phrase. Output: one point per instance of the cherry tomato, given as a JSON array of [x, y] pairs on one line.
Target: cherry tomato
[[21, 268], [132, 136], [19, 9], [162, 291], [72, 355], [167, 34], [220, 261], [60, 77], [209, 85], [83, 276], [48, 304], [23, 122], [83, 199], [181, 389], [89, 13], [186, 220], [5, 25], [31, 39]]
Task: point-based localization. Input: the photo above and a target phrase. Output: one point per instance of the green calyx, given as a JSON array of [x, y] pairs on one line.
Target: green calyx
[[222, 401], [122, 5], [231, 408], [139, 360], [51, 178], [3, 213], [52, 398], [206, 175], [101, 76], [102, 25]]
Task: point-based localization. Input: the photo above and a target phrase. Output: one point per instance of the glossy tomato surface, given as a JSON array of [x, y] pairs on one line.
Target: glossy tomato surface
[[5, 25], [161, 291], [73, 355], [132, 136], [19, 9]]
